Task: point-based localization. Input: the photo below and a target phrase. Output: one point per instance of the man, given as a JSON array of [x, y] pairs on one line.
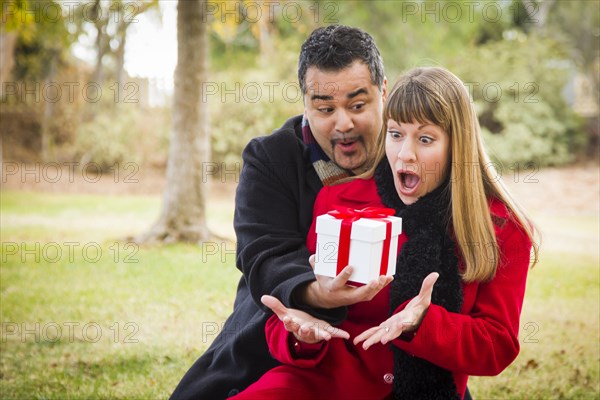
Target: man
[[342, 80]]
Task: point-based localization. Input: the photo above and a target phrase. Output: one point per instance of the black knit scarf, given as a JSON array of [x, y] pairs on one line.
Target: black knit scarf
[[429, 248]]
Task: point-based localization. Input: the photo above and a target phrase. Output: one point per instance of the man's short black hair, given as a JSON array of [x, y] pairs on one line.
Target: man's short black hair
[[336, 47]]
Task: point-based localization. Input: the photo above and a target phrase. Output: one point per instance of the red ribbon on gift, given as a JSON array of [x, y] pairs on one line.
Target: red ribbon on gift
[[349, 216]]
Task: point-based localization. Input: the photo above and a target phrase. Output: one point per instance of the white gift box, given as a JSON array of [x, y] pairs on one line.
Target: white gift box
[[366, 247]]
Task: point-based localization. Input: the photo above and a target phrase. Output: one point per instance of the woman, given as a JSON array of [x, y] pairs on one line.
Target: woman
[[461, 232]]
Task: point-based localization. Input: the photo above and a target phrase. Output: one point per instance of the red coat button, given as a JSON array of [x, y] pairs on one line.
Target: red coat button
[[388, 378]]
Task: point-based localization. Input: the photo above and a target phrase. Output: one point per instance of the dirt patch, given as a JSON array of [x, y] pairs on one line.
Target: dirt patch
[[564, 202], [570, 190], [565, 206], [66, 178]]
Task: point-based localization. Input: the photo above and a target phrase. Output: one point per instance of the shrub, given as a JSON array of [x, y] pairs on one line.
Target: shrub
[[518, 90]]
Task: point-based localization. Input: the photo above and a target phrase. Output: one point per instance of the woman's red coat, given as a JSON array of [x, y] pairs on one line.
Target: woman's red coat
[[481, 340]]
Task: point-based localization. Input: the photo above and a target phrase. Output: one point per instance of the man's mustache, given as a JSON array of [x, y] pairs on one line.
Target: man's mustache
[[346, 138]]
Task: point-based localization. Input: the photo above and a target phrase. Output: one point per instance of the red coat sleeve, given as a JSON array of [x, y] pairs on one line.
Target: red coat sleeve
[[484, 341], [282, 344]]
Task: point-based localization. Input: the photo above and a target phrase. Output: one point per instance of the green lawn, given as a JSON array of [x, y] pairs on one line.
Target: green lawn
[[85, 315]]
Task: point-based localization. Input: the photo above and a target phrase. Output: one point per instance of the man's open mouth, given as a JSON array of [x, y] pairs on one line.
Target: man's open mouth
[[346, 144]]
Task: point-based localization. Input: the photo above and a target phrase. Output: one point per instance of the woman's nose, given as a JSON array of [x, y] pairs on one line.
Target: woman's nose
[[407, 151]]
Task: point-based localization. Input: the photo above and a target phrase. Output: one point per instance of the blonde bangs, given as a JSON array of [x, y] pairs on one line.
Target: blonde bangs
[[411, 101]]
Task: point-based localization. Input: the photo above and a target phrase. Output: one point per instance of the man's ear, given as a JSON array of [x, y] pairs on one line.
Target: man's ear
[[384, 89]]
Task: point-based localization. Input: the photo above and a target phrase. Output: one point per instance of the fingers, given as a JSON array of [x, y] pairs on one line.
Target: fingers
[[313, 331], [383, 334], [290, 325], [376, 337], [365, 335], [340, 281], [338, 333], [424, 297], [311, 261], [324, 331], [379, 283], [378, 334], [304, 331], [275, 305], [304, 327], [335, 292], [367, 292], [428, 282]]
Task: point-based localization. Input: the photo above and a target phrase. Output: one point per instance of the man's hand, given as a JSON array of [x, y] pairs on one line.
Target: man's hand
[[328, 292], [305, 328], [407, 320]]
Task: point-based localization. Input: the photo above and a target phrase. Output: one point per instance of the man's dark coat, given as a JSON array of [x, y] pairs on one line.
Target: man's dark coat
[[273, 213]]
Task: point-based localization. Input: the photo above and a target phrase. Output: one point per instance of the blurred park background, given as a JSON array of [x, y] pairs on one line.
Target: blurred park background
[[106, 294]]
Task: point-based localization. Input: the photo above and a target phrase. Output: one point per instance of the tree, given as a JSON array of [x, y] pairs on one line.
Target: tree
[[183, 211], [577, 23], [110, 22], [36, 45]]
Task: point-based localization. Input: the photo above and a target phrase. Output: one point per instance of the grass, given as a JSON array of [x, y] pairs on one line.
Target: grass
[[125, 322], [128, 322], [560, 342]]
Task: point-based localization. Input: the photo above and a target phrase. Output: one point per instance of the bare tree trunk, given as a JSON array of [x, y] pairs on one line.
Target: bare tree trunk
[[541, 10], [48, 113], [120, 69], [264, 37], [183, 213], [101, 42], [7, 57]]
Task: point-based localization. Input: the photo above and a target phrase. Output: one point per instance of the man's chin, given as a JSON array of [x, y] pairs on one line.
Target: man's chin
[[351, 164]]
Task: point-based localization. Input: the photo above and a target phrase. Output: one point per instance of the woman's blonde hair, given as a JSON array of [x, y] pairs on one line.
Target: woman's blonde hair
[[437, 96]]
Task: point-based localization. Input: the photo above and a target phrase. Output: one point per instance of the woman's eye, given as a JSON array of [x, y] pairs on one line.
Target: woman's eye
[[394, 134], [426, 139]]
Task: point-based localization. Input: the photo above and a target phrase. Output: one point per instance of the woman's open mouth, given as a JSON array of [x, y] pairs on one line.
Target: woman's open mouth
[[409, 181]]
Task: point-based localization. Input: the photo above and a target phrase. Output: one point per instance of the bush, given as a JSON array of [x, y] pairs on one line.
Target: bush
[[108, 138], [517, 87], [530, 134], [257, 111]]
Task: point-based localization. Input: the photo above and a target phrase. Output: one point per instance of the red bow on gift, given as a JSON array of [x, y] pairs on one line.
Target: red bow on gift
[[349, 216], [367, 212]]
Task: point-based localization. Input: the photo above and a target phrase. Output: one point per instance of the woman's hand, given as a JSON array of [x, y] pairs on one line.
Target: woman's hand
[[407, 320], [305, 327]]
